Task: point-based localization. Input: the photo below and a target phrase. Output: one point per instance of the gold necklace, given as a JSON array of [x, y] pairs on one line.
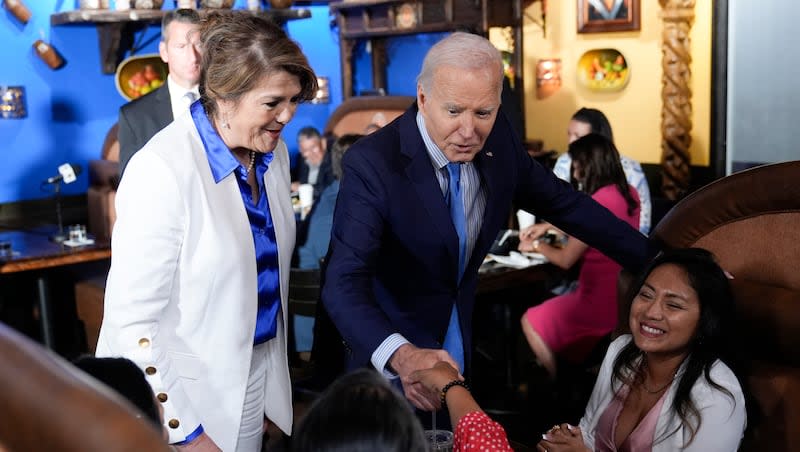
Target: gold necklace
[[644, 386]]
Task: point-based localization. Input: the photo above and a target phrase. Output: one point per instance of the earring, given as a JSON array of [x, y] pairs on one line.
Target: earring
[[226, 125]]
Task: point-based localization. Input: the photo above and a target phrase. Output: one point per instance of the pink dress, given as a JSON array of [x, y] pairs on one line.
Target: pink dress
[[640, 439], [573, 323]]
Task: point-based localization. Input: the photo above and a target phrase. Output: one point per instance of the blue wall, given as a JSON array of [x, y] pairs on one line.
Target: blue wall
[[71, 109]]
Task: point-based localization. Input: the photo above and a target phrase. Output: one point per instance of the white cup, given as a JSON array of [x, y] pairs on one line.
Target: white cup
[[306, 195], [525, 219]]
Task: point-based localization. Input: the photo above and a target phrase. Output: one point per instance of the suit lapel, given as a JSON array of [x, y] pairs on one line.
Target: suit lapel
[[484, 162], [420, 172], [163, 113]]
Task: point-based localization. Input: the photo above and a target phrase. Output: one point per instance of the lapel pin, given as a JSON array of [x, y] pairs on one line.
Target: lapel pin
[[489, 154]]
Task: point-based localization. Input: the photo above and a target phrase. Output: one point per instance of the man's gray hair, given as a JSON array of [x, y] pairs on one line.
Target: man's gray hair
[[463, 51]]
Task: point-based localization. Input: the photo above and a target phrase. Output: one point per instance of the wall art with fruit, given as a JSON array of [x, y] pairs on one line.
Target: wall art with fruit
[[603, 70], [140, 75]]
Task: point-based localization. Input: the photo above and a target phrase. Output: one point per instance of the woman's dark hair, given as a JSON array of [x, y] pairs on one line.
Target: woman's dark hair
[[238, 49], [340, 146], [599, 163], [126, 378], [596, 120], [360, 412], [711, 341]]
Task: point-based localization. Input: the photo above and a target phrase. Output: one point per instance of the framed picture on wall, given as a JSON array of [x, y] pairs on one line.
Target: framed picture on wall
[[599, 16]]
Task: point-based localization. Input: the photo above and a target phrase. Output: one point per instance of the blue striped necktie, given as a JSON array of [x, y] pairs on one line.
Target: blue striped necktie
[[453, 341]]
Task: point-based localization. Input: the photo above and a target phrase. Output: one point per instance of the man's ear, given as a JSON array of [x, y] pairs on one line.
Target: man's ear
[[420, 96], [162, 51]]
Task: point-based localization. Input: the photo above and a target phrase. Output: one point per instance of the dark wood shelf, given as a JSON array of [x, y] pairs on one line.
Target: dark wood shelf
[[115, 29], [376, 20]]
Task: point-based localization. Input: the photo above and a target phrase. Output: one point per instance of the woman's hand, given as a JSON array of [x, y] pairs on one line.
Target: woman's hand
[[562, 438], [533, 232], [202, 443], [435, 378]]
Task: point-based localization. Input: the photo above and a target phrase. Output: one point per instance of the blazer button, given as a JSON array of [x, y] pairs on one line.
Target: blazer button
[[162, 397], [144, 342], [173, 423], [150, 370]]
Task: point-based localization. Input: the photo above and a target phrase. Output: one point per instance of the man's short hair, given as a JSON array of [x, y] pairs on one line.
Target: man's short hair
[[308, 132], [183, 15]]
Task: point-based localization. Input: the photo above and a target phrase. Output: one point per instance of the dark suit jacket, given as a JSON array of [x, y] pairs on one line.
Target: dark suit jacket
[[393, 258], [140, 119]]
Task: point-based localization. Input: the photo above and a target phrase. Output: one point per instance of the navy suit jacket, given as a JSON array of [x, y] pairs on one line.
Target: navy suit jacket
[[140, 120], [393, 258]]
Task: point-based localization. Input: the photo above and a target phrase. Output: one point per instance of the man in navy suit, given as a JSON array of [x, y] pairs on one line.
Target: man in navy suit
[[144, 117], [401, 273]]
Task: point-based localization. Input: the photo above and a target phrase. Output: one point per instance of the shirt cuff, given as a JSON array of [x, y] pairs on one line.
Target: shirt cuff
[[192, 436], [381, 355]]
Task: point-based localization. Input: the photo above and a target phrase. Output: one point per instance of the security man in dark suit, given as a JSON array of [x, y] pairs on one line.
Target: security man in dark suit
[[142, 118]]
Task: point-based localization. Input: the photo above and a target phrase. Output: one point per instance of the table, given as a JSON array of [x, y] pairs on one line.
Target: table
[[32, 250], [494, 278]]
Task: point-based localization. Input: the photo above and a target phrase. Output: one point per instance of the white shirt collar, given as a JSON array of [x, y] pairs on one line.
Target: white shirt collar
[[176, 93]]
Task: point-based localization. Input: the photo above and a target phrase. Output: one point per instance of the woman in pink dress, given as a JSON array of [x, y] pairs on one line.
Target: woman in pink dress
[[570, 325]]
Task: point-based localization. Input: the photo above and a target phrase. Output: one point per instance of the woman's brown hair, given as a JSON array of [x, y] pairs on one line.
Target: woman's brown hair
[[239, 49]]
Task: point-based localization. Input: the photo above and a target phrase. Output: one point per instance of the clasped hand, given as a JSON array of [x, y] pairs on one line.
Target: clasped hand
[[407, 360], [562, 438]]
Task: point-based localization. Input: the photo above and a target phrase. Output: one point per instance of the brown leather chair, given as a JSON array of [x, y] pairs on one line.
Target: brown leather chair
[[356, 113], [751, 222], [103, 181], [48, 404]]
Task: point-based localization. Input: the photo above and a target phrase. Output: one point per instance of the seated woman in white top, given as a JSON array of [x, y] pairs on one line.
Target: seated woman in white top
[[665, 387], [590, 120]]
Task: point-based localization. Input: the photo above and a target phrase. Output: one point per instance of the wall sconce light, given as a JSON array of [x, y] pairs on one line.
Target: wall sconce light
[[12, 102], [548, 77], [323, 95]]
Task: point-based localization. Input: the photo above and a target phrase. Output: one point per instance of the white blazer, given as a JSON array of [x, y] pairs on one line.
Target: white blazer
[[723, 423], [181, 295]]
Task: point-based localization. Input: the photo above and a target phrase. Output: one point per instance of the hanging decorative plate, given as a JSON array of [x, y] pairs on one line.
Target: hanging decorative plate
[[603, 70], [139, 75]]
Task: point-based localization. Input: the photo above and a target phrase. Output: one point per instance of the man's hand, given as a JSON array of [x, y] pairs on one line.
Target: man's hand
[[408, 359], [202, 443]]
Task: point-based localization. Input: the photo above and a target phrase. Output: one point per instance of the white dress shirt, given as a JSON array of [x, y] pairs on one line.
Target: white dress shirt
[[178, 99]]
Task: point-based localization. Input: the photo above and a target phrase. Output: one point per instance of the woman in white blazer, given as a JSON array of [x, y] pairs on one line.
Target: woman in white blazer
[[201, 249], [665, 386]]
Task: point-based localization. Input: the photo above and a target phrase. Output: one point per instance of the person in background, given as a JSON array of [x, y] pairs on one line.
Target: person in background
[[319, 235], [666, 386], [360, 412], [590, 120], [320, 219], [142, 118], [203, 242], [571, 324], [315, 167], [474, 430], [420, 203], [125, 377]]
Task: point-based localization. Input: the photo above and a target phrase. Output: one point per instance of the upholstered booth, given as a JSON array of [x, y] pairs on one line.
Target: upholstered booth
[[48, 404], [103, 182], [751, 222], [356, 113]]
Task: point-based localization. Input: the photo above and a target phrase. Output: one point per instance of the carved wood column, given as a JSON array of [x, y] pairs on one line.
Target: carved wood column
[[346, 47], [676, 96], [379, 62]]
